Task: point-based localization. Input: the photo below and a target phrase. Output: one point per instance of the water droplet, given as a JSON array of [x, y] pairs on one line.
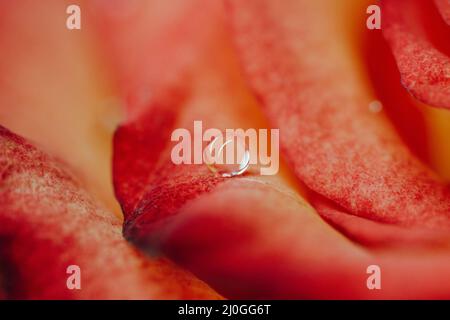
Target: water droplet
[[217, 162], [375, 106]]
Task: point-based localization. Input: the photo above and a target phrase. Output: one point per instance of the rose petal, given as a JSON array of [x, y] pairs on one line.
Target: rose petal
[[301, 68], [444, 8], [423, 128], [438, 130], [56, 92], [249, 237], [47, 222], [401, 108], [150, 44], [425, 70], [379, 235], [249, 240], [142, 165]]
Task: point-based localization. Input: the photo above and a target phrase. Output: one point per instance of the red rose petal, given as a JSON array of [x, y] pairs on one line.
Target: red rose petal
[[249, 237], [398, 104], [47, 222], [148, 184], [150, 44], [444, 8], [144, 137], [250, 240], [209, 226], [425, 70], [164, 40], [379, 235], [301, 70], [56, 90]]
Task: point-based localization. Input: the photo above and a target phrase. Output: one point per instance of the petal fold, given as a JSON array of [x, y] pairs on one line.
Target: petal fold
[[48, 222], [424, 68], [305, 73]]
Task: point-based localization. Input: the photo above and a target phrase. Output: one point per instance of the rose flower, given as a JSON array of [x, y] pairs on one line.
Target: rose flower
[[86, 176]]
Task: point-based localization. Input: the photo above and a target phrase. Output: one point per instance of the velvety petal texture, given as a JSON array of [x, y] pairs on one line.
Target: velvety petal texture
[[258, 237], [335, 144], [425, 68], [48, 222], [87, 175]]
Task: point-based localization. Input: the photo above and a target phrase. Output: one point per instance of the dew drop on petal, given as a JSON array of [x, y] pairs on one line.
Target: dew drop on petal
[[375, 106], [217, 163]]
